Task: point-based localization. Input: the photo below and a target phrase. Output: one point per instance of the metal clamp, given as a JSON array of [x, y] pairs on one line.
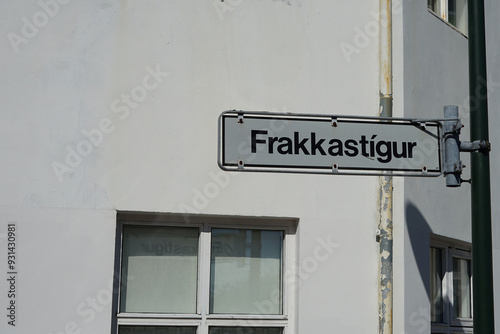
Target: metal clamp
[[453, 167], [476, 145]]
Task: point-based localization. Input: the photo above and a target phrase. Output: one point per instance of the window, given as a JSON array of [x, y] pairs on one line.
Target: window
[[434, 5], [213, 275], [452, 11], [450, 287]]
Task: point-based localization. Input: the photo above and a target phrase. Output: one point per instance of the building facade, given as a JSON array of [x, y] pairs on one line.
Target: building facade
[[118, 219]]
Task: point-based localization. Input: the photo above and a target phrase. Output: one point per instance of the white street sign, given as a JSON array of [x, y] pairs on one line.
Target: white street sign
[[252, 141]]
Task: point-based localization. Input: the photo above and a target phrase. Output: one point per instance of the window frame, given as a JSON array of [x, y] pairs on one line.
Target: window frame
[[443, 15], [461, 254], [202, 319], [451, 248]]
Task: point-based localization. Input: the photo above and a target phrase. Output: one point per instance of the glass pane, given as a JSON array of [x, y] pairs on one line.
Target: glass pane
[[156, 330], [245, 330], [462, 19], [159, 269], [457, 14], [245, 271], [452, 12], [436, 285], [461, 288], [433, 5]]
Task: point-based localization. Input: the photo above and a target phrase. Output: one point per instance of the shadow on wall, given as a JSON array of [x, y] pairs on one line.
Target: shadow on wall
[[419, 233]]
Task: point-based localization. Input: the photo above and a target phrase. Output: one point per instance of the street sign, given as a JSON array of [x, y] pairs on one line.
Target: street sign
[[329, 144]]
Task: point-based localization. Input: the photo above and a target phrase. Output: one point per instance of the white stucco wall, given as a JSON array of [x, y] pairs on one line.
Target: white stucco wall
[[63, 270], [157, 151], [113, 105], [435, 73]]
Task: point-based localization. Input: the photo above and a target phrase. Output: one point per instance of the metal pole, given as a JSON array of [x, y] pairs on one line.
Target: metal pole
[[385, 231], [480, 175]]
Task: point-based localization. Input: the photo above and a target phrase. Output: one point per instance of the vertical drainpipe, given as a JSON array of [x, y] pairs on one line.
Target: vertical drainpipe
[[480, 175], [385, 182]]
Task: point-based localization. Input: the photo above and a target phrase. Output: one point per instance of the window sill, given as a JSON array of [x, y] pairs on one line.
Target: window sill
[[157, 316], [245, 317], [155, 319], [447, 23], [198, 316]]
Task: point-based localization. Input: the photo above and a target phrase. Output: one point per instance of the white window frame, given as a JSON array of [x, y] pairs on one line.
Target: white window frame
[[202, 319], [443, 14], [451, 248]]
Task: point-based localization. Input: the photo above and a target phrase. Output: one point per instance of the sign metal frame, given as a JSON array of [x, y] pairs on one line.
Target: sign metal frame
[[335, 120]]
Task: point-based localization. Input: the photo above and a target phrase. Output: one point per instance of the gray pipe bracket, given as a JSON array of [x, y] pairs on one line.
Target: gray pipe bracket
[[452, 164], [475, 146]]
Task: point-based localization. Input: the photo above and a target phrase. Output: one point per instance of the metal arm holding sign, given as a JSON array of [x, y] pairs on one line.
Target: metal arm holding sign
[[344, 145], [453, 146]]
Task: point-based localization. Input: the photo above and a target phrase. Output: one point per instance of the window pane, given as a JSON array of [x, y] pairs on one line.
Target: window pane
[[245, 330], [434, 6], [156, 330], [159, 269], [452, 12], [461, 288], [457, 14], [436, 285], [246, 271]]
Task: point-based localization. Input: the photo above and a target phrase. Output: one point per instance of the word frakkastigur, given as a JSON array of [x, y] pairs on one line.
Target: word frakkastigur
[[384, 151]]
